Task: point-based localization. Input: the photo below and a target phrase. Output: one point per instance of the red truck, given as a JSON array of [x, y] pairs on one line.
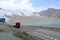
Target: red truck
[[17, 25]]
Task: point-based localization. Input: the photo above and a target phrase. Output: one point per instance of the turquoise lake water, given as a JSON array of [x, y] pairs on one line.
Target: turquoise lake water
[[48, 25]]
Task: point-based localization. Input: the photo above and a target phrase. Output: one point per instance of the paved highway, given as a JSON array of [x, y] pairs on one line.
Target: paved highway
[[42, 33]]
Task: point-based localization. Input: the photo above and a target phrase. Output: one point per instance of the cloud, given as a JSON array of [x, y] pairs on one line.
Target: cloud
[[16, 4]]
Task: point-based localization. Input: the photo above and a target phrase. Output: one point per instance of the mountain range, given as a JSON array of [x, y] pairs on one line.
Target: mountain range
[[50, 12], [49, 16]]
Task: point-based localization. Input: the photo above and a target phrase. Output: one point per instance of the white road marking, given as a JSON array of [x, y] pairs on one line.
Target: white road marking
[[36, 35], [45, 39], [51, 38], [42, 35], [45, 36], [55, 39]]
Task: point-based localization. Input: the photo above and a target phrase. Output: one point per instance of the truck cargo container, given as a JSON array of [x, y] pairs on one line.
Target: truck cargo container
[[2, 19]]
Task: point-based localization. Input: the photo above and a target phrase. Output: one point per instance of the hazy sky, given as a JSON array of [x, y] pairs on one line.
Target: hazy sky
[[30, 5], [46, 3]]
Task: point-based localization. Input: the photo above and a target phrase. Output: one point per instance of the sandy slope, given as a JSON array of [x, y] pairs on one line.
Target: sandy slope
[[24, 20]]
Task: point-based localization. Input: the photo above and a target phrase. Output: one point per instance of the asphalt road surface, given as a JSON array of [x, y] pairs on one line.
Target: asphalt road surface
[[42, 33]]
